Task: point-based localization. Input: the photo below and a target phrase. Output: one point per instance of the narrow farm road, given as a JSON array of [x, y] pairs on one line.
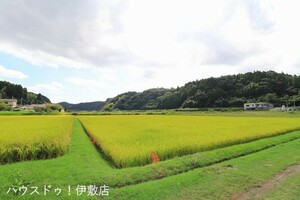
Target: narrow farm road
[[263, 189]]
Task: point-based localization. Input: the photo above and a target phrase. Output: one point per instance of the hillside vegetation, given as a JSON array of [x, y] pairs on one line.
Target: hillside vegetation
[[225, 91], [9, 90], [87, 106]]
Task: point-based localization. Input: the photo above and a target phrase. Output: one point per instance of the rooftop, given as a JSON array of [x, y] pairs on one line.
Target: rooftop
[[9, 100]]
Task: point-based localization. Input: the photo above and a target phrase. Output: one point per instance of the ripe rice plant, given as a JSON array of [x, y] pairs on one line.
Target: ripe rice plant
[[33, 137], [129, 140]]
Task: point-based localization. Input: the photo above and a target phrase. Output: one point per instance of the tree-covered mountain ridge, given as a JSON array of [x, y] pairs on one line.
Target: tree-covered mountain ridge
[[224, 91], [85, 106]]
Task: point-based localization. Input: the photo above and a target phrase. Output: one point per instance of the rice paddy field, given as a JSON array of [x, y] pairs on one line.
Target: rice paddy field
[[176, 156], [129, 140], [33, 137]]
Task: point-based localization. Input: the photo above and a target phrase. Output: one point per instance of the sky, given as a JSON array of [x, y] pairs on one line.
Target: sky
[[91, 50]]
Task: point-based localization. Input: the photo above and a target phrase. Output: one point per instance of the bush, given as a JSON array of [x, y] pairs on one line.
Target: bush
[[39, 109], [54, 107], [4, 107], [48, 108]]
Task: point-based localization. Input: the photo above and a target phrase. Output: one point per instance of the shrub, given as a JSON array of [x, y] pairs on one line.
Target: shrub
[[4, 107]]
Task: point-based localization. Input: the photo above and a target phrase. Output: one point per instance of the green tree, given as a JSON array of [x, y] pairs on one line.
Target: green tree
[[272, 98], [39, 98], [54, 107], [4, 106]]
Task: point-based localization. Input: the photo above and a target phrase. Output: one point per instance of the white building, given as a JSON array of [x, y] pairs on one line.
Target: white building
[[257, 106], [10, 102]]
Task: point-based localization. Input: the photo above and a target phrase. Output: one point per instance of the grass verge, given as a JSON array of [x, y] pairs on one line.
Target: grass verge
[[289, 189]]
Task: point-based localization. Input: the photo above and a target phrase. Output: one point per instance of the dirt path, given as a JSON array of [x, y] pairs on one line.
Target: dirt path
[[258, 191]]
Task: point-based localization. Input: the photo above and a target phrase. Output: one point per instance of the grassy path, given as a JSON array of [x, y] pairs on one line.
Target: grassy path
[[266, 187], [287, 189]]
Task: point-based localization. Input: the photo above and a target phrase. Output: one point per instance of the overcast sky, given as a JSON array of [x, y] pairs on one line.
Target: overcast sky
[[79, 51]]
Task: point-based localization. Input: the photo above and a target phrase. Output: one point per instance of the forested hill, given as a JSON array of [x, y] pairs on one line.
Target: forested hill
[[88, 106], [9, 90], [225, 91]]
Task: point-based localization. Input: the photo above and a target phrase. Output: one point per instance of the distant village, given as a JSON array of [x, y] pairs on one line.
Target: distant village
[[266, 106]]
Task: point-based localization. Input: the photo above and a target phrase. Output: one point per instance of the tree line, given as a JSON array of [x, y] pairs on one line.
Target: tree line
[[225, 91], [9, 90]]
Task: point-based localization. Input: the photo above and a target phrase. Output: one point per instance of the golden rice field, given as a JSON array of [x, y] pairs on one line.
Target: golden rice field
[[33, 137], [129, 140]]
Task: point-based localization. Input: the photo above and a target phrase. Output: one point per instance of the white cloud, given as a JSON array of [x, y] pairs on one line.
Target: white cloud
[[135, 45], [81, 81], [8, 73], [88, 83], [77, 34], [40, 58], [54, 90], [52, 87], [151, 33]]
